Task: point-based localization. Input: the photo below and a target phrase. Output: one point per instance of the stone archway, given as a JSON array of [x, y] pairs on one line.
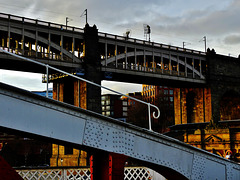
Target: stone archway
[[230, 106]]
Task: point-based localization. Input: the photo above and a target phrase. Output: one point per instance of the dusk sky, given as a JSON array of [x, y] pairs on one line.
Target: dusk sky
[[172, 22]]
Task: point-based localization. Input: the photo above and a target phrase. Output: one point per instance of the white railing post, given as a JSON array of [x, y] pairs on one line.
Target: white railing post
[[149, 117]]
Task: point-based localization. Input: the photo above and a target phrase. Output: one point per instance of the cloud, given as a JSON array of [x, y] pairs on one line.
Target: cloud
[[232, 39]]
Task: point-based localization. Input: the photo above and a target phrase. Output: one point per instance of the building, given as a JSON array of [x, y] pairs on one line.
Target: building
[[194, 122], [163, 98], [114, 106], [152, 94]]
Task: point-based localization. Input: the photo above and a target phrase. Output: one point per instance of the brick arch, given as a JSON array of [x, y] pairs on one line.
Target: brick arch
[[230, 105]]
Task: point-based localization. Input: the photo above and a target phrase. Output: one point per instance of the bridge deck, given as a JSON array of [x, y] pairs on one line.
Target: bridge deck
[[26, 112]]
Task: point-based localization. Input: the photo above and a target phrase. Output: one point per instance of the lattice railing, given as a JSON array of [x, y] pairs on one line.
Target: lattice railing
[[131, 173]]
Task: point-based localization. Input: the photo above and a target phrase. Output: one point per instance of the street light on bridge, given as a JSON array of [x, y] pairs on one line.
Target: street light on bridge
[[147, 31], [67, 20]]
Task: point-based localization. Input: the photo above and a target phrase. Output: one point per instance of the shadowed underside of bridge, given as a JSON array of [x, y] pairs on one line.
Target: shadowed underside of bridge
[[28, 113]]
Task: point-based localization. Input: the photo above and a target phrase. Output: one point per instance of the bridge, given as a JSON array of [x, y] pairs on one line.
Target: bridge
[[28, 113], [64, 46], [99, 56]]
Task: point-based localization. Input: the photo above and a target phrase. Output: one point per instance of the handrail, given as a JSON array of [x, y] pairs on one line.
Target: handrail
[[90, 82], [154, 44], [40, 22]]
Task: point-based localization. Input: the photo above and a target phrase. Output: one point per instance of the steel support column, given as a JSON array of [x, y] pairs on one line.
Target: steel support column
[[107, 166]]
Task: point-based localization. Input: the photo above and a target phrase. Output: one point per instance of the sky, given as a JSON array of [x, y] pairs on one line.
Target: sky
[[172, 22]]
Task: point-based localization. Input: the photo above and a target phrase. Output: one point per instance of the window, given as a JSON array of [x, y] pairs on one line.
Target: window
[[171, 92], [124, 108], [165, 91], [108, 102], [171, 99], [125, 114], [124, 103], [68, 150]]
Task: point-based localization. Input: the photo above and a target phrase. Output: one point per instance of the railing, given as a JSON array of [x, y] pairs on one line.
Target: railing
[[90, 82], [40, 23], [143, 42], [130, 173]]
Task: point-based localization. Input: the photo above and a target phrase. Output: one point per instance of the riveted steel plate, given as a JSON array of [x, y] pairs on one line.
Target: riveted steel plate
[[108, 137]]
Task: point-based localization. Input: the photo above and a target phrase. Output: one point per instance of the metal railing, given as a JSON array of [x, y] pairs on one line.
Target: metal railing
[[67, 173], [39, 22], [90, 82], [153, 44]]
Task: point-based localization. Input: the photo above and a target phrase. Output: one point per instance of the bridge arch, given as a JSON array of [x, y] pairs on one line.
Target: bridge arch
[[119, 60]]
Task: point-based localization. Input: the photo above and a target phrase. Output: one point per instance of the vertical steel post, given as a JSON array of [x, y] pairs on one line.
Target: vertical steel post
[[47, 80], [149, 117], [116, 62]]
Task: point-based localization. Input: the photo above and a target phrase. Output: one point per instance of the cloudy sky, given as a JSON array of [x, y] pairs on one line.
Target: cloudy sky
[[172, 21]]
